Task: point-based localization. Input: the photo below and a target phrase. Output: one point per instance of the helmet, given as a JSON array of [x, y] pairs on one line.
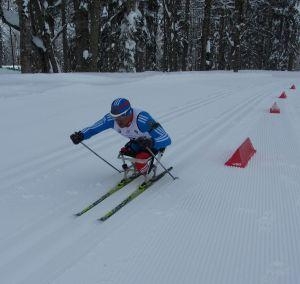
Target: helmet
[[120, 107]]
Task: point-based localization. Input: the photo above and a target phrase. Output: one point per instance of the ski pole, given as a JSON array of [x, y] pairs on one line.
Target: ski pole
[[152, 154], [99, 156]]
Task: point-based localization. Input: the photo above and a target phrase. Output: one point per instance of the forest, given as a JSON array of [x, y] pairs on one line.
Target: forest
[[51, 36]]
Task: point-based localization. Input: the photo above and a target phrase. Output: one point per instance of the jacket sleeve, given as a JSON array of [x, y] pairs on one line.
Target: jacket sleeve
[[105, 123], [160, 137]]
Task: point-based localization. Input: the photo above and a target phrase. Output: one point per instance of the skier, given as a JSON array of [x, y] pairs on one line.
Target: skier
[[137, 125]]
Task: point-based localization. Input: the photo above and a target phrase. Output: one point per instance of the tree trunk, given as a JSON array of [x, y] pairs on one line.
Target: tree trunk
[[238, 20], [268, 40], [176, 36], [95, 32], [66, 61], [1, 47], [186, 30], [291, 61], [151, 47], [25, 38], [44, 27], [168, 34], [82, 52], [205, 33], [221, 54]]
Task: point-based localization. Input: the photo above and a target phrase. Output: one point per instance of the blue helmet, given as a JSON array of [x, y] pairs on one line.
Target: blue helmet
[[120, 107]]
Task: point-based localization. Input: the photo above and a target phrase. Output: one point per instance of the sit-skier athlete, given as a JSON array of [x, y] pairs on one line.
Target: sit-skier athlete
[[143, 131]]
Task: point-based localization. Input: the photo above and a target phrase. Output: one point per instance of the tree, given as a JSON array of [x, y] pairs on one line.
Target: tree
[[129, 29], [173, 31], [94, 8], [82, 50], [186, 40], [205, 34], [110, 46], [220, 56], [238, 27], [286, 45], [26, 58], [36, 25], [43, 33], [293, 47], [141, 35], [66, 60], [1, 47], [151, 14], [166, 35]]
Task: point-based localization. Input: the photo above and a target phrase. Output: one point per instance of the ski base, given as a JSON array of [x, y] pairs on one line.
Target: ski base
[[141, 188], [120, 185]]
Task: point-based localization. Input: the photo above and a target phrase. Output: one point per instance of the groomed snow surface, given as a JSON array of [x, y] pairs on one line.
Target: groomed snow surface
[[214, 225]]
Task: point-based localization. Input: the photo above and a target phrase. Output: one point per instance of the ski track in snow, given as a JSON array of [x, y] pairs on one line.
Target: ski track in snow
[[213, 225]]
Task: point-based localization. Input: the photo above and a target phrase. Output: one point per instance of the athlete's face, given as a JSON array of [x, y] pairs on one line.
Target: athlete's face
[[124, 121]]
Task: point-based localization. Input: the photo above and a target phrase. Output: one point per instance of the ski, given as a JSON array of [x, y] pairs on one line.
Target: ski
[[117, 187], [141, 188]]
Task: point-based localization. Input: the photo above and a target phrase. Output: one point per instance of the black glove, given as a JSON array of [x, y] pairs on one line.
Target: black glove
[[144, 142], [77, 137]]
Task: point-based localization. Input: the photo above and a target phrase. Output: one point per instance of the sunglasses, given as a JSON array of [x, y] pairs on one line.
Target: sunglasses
[[124, 114]]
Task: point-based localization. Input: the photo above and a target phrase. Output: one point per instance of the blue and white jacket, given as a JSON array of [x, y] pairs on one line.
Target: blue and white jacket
[[142, 125]]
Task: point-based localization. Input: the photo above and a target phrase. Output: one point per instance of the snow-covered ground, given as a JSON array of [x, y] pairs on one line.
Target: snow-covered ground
[[9, 69], [214, 225]]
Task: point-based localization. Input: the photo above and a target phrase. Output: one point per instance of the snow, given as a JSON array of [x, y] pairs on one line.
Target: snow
[[26, 7], [130, 46], [38, 43], [11, 17], [85, 54], [9, 69], [133, 18], [45, 4], [104, 12], [83, 5], [208, 46], [215, 224]]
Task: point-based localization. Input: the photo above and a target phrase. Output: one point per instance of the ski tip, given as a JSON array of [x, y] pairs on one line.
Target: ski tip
[[101, 220], [77, 214]]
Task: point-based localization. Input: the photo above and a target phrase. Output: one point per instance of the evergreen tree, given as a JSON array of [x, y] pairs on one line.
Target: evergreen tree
[[168, 35], [128, 39], [186, 42], [174, 37], [28, 53], [94, 8], [205, 38], [286, 29], [65, 44], [1, 40], [1, 47], [238, 28], [151, 18], [82, 40], [110, 45]]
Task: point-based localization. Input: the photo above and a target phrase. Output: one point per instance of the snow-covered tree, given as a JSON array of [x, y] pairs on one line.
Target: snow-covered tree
[[173, 34], [1, 47], [238, 29], [150, 12], [141, 35], [129, 36], [94, 8], [205, 38], [82, 44]]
